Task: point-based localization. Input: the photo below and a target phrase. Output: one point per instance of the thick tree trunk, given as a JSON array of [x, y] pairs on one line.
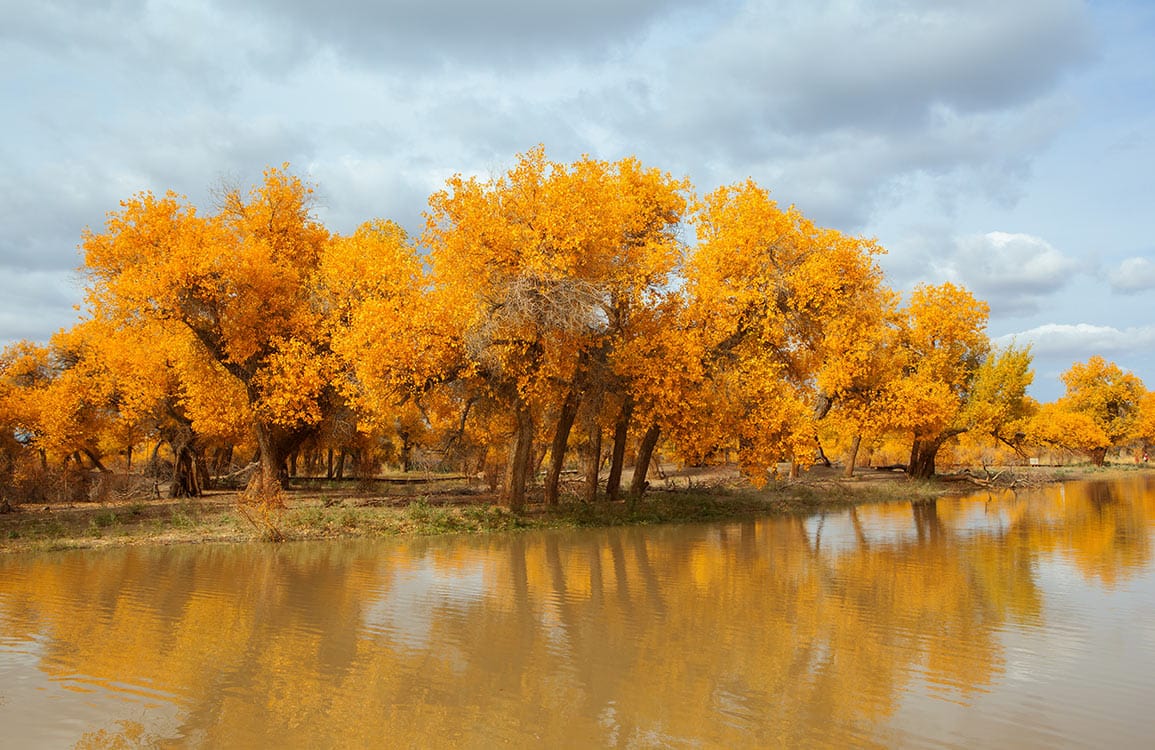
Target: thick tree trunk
[[1098, 456], [517, 477], [565, 420], [645, 453], [618, 457], [852, 457], [186, 479], [922, 458], [274, 445]]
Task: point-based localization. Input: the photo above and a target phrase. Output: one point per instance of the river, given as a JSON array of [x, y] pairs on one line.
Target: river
[[1005, 619]]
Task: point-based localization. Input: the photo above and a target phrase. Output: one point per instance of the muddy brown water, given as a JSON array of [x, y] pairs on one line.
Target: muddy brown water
[[995, 620]]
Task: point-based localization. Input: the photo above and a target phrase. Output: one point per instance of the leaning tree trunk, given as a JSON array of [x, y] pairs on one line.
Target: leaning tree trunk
[[618, 457], [821, 455], [645, 454], [569, 410], [95, 459], [852, 457]]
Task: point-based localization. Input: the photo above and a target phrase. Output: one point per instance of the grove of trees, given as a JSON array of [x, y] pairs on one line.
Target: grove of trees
[[591, 314]]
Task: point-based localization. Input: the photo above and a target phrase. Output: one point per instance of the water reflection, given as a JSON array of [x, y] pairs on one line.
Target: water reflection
[[818, 631]]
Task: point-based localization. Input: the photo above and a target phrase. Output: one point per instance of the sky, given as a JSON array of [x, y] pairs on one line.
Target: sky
[[1005, 146]]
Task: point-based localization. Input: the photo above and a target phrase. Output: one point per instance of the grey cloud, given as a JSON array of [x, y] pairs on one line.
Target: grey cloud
[[1055, 347], [822, 65], [837, 106], [437, 32], [47, 200], [36, 303]]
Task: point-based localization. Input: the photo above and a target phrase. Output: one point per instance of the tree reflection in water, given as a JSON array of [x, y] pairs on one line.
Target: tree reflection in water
[[777, 631]]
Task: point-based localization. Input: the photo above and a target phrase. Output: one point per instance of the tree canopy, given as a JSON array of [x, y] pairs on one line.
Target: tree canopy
[[590, 312]]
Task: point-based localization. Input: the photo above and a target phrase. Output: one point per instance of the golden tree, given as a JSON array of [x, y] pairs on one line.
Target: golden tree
[[549, 268], [394, 339], [242, 283], [943, 345], [779, 304], [1101, 409], [1145, 424]]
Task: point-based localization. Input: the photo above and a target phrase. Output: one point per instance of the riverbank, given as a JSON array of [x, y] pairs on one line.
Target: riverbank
[[318, 509]]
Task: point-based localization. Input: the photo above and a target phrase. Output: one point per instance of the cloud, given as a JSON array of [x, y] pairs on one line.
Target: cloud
[[1012, 271], [847, 108], [839, 106], [36, 303], [436, 33], [825, 65], [1132, 276], [1081, 340], [48, 197]]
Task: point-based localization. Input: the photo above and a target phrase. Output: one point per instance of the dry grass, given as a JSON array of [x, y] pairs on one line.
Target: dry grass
[[439, 505]]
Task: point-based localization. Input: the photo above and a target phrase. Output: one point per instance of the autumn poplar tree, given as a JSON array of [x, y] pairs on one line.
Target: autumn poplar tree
[[551, 266], [242, 283], [943, 343], [1100, 409], [775, 302], [395, 340]]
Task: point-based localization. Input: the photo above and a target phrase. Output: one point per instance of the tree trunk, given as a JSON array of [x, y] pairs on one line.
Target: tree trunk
[[641, 468], [274, 447], [96, 464], [593, 460], [851, 457], [1098, 456], [821, 457], [186, 480], [519, 462], [406, 452], [618, 457], [339, 472], [222, 460], [569, 410], [922, 457], [202, 469], [329, 464]]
